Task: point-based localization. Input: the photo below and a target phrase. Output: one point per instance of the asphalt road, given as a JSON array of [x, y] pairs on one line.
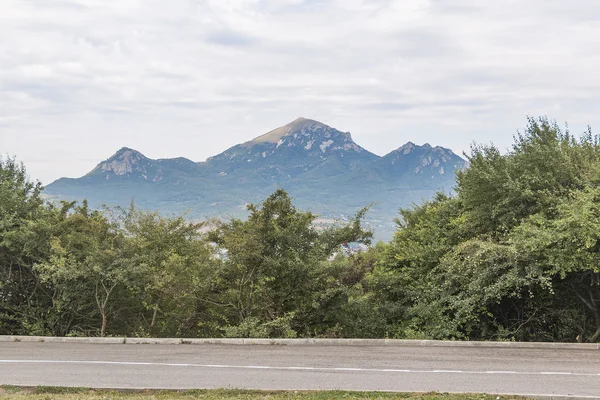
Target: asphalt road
[[444, 369]]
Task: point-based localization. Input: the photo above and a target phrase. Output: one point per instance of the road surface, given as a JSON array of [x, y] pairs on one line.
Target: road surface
[[406, 369]]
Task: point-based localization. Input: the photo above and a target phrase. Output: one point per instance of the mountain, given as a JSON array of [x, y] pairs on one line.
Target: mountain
[[131, 165], [322, 168], [295, 149], [419, 163]]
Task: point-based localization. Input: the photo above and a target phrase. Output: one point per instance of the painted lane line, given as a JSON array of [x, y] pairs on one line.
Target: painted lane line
[[447, 371], [347, 369], [300, 368], [396, 370], [556, 373], [291, 368], [500, 372]]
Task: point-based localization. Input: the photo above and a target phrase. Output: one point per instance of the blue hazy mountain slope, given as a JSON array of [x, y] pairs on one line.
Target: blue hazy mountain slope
[[322, 168]]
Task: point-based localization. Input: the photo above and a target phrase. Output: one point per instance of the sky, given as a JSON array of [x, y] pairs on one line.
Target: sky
[[80, 79]]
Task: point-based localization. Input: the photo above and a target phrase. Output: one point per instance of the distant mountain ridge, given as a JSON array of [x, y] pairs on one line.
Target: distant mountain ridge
[[322, 168]]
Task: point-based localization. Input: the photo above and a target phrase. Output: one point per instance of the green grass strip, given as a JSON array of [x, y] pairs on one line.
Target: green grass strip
[[66, 393]]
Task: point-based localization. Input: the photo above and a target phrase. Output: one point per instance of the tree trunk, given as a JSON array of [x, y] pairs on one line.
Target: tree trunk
[[154, 315], [104, 323]]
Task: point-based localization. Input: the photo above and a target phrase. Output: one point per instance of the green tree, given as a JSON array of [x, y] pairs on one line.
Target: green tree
[[89, 267], [344, 303], [512, 254], [563, 257], [24, 227], [499, 191], [177, 268], [404, 276], [271, 264]]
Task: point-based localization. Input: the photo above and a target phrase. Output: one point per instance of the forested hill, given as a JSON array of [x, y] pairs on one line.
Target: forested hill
[[514, 254], [322, 168]]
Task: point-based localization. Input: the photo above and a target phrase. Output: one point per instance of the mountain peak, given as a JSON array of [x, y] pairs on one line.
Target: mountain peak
[[123, 162], [308, 136], [409, 147], [127, 152], [296, 148], [406, 148], [277, 134], [423, 160]]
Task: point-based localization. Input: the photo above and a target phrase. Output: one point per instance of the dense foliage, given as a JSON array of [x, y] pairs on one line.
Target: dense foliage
[[513, 254], [69, 270]]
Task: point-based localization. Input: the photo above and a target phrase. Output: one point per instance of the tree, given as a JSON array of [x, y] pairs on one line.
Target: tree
[[344, 303], [24, 227], [545, 164], [563, 256], [271, 263], [404, 275], [177, 267], [513, 254], [89, 267]]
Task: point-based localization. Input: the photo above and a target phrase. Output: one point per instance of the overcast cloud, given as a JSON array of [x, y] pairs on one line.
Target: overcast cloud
[[81, 78]]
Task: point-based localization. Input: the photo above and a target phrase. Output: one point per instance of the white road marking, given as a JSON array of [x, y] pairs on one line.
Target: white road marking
[[447, 371], [291, 368], [556, 373], [500, 372]]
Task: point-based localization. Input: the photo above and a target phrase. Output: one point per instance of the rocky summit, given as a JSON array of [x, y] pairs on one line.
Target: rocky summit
[[322, 168], [294, 150]]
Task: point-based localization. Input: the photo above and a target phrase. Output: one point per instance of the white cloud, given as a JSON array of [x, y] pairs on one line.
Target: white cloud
[[82, 78]]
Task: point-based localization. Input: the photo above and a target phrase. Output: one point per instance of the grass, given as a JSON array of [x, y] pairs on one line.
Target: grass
[[64, 393]]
